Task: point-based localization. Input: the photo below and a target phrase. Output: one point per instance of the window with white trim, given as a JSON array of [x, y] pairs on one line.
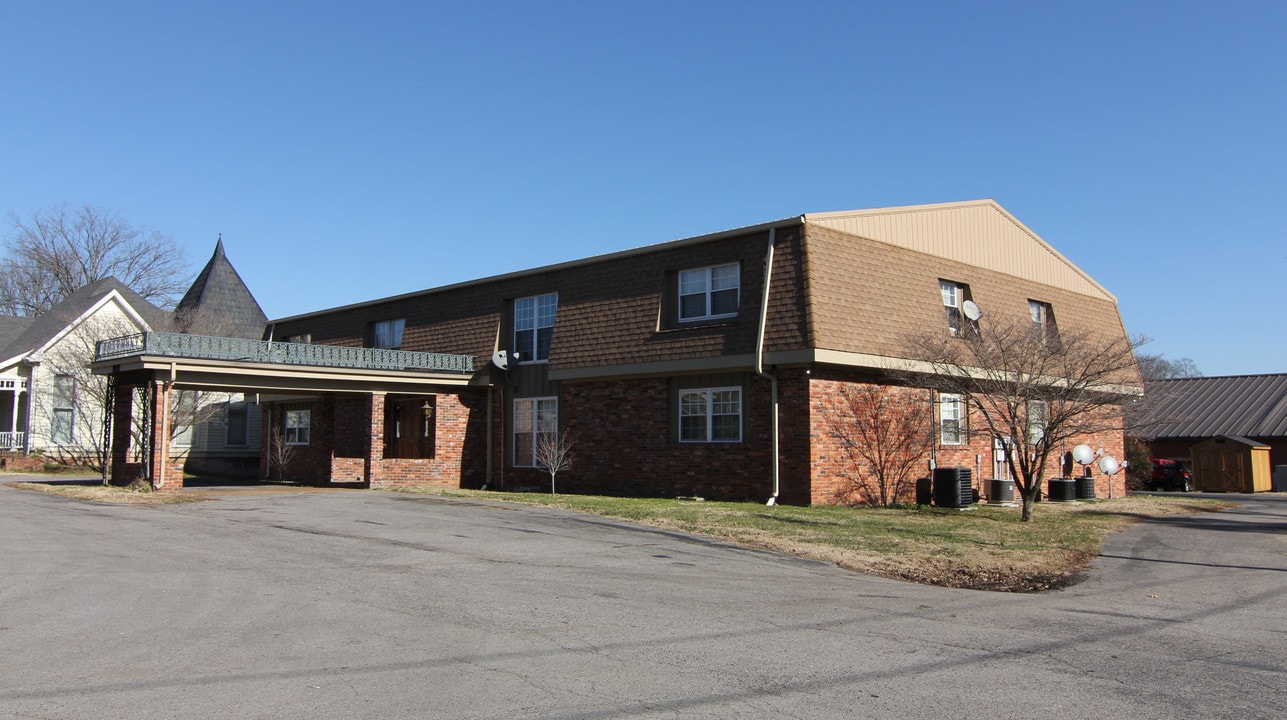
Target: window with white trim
[[63, 419], [387, 334], [1043, 321], [297, 426], [954, 297], [533, 417], [709, 292], [534, 326], [1037, 419], [236, 424], [710, 414], [951, 413]]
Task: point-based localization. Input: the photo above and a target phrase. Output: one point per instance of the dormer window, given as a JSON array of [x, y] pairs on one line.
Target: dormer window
[[387, 334], [709, 292], [954, 295], [534, 326], [1043, 321]]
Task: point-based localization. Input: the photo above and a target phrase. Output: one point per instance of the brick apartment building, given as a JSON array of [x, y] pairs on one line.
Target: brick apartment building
[[692, 367]]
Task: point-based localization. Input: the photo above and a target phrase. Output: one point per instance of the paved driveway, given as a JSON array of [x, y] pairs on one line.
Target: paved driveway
[[376, 605]]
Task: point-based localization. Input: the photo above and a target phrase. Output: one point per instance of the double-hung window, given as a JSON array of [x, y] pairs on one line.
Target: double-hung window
[[710, 415], [709, 292], [63, 420], [534, 418], [950, 417], [1037, 419], [298, 425], [387, 334], [237, 417], [534, 326], [954, 296], [1043, 322]]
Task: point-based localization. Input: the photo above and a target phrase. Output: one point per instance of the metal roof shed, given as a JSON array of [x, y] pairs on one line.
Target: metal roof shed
[[1231, 464]]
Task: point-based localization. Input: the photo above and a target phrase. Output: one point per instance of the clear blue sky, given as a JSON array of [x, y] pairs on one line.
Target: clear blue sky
[[350, 151]]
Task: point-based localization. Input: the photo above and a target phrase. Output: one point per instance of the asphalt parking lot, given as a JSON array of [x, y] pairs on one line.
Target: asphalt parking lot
[[381, 605]]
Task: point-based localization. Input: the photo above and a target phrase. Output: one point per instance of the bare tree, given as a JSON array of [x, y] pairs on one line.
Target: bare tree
[[554, 453], [885, 434], [1155, 366], [51, 253], [1032, 389], [280, 453]]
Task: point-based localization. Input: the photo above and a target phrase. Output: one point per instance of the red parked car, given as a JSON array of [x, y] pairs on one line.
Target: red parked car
[[1169, 475]]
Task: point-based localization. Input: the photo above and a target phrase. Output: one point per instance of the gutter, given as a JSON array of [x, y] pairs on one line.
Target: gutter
[[759, 361]]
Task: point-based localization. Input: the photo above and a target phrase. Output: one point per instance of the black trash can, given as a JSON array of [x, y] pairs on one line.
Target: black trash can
[[1086, 488], [1062, 490], [924, 491]]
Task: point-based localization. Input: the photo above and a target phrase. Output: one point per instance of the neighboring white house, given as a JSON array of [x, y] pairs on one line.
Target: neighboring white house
[[52, 405], [49, 402]]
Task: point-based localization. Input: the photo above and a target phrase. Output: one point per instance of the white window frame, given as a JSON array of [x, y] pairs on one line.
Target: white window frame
[[1038, 416], [533, 417], [387, 334], [242, 409], [951, 409], [63, 412], [1042, 319], [534, 315], [702, 282], [706, 403], [953, 295], [297, 426]]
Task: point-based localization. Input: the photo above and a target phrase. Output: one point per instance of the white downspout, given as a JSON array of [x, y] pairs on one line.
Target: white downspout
[[759, 359]]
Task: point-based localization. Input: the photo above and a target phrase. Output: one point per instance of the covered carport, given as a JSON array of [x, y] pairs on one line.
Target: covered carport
[[357, 404]]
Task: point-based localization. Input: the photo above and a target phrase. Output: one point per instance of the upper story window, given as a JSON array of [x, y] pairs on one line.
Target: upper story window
[[534, 326], [387, 334], [709, 292], [1043, 321], [954, 296]]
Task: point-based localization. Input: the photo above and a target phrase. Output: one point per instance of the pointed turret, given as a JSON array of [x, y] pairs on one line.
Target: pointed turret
[[219, 303]]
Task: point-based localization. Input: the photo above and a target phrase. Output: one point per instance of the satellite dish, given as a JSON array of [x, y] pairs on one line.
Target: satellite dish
[[1083, 455], [1108, 465], [971, 310], [500, 359]]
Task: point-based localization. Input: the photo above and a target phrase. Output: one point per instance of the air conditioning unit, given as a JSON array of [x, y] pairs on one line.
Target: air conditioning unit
[[953, 487]]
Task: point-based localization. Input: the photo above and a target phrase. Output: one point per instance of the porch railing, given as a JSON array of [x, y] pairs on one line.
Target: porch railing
[[12, 440], [203, 347]]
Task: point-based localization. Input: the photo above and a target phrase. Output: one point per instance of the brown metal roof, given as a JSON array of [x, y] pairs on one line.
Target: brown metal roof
[[1253, 406]]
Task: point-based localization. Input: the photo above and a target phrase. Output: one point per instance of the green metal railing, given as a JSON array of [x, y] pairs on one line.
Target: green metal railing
[[203, 347]]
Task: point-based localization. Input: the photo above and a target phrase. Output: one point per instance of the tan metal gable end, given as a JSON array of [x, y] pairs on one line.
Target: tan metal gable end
[[979, 233]]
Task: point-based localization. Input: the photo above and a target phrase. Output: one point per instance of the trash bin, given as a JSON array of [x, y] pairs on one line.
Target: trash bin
[[924, 491], [1001, 491], [1062, 490]]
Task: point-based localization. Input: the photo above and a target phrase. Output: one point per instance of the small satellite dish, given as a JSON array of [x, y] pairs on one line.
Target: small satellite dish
[[1108, 465], [500, 359], [1083, 455], [970, 310]]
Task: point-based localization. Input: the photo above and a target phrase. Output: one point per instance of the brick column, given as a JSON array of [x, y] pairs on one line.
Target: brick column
[[122, 471], [172, 478], [373, 457]]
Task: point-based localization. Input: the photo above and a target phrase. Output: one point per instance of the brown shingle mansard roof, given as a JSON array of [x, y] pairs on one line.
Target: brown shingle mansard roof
[[219, 303], [847, 288], [1253, 406]]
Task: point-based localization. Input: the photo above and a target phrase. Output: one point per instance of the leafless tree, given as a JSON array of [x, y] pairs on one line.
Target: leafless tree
[[885, 434], [1032, 390], [280, 453], [50, 253], [554, 453], [1155, 366]]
